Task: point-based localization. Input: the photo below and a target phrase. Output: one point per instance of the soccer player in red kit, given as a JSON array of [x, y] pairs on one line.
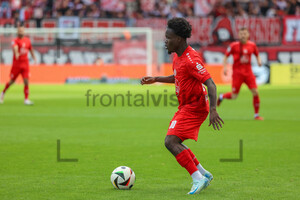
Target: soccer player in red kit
[[189, 77], [242, 72], [21, 45]]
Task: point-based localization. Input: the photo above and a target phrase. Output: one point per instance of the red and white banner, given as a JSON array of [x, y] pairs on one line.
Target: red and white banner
[[262, 30], [291, 30], [201, 28], [207, 31], [222, 31], [155, 23], [201, 31], [130, 52]]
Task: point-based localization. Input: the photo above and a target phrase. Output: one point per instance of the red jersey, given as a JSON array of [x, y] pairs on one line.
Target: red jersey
[[24, 45], [242, 56], [190, 74]]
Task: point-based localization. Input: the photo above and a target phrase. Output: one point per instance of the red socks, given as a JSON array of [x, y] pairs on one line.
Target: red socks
[[227, 95], [193, 157], [185, 160], [26, 91], [6, 87], [256, 104]]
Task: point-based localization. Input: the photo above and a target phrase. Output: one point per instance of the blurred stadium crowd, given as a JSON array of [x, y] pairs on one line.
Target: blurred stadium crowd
[[22, 10]]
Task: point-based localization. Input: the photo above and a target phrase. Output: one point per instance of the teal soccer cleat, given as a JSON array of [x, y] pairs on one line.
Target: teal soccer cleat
[[209, 176], [198, 186]]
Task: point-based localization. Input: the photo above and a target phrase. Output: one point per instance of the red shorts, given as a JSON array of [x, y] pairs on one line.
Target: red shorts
[[239, 79], [19, 68], [186, 125]]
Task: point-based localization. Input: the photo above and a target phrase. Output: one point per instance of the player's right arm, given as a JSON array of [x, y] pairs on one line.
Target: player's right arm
[[257, 55], [161, 79], [32, 53], [16, 51], [225, 64], [227, 54]]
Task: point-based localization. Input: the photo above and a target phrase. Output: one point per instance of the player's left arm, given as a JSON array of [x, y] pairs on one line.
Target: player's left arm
[[32, 53], [258, 60], [214, 118], [198, 71], [256, 53]]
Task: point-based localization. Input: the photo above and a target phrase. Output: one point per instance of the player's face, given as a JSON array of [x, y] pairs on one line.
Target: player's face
[[172, 41], [20, 32], [243, 35]]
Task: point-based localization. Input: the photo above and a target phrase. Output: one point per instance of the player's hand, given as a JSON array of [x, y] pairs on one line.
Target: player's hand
[[147, 80], [34, 61], [17, 56], [225, 71], [215, 120], [259, 63]]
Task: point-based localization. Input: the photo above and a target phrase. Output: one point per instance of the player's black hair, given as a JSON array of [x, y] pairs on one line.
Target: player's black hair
[[181, 27]]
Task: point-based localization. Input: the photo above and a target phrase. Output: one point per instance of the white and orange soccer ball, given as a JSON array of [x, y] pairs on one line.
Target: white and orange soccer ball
[[122, 178]]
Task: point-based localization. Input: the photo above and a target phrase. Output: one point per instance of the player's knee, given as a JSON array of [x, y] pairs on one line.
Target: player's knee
[[234, 96], [26, 82], [168, 144], [11, 81], [255, 92]]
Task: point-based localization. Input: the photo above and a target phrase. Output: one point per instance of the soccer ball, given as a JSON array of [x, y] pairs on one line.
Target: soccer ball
[[122, 178]]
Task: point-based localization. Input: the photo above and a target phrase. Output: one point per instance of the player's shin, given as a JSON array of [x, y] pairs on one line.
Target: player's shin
[[256, 103], [6, 87], [26, 91], [227, 95], [197, 163], [185, 160]]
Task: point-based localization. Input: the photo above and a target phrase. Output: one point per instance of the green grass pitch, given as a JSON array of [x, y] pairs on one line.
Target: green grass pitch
[[103, 138]]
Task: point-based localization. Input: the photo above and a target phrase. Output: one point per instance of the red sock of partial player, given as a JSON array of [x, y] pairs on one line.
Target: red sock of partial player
[[185, 160], [194, 157], [6, 87], [227, 95], [256, 104], [26, 91]]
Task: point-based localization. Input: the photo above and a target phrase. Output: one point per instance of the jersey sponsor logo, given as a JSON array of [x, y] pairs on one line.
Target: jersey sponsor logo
[[173, 123], [245, 59], [200, 68]]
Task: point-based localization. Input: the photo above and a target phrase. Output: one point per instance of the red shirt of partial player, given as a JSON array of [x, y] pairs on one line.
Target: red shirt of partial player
[[190, 74], [24, 45], [242, 56]]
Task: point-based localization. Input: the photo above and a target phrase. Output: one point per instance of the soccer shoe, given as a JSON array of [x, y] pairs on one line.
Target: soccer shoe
[[198, 186], [2, 98], [219, 101], [28, 102], [259, 118], [209, 176]]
